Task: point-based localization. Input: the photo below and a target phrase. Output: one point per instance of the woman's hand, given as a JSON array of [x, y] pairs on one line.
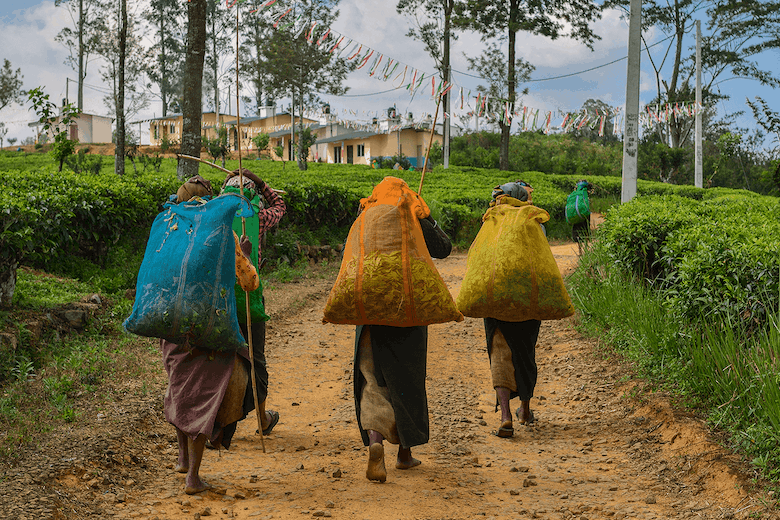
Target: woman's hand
[[246, 246]]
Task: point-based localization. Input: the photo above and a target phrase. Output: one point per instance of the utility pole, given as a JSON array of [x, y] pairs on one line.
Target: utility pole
[[631, 134], [699, 169], [447, 99]]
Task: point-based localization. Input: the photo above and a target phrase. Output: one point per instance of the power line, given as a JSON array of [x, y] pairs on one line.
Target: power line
[[360, 95], [573, 73]]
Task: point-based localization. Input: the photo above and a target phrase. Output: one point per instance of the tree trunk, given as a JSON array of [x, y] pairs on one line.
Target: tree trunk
[[119, 152], [163, 62], [215, 64], [447, 77], [303, 154], [7, 284], [82, 74], [503, 156], [192, 108]]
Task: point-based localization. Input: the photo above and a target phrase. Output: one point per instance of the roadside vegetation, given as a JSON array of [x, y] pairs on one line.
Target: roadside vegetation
[[689, 291]]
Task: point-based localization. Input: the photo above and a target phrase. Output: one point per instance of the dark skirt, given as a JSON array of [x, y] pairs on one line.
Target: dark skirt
[[400, 364], [521, 337], [197, 383]]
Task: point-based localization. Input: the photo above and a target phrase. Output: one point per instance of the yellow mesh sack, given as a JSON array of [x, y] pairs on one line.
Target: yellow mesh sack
[[511, 274], [387, 276]]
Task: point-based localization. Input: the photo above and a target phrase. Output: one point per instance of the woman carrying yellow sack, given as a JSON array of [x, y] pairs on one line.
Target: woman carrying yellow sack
[[513, 282], [389, 287]]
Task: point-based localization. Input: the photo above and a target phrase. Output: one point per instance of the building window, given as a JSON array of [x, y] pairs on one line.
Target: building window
[[173, 128], [337, 154], [361, 150]]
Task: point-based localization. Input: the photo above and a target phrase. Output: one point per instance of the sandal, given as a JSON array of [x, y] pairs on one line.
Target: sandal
[[274, 420], [531, 417], [506, 430]]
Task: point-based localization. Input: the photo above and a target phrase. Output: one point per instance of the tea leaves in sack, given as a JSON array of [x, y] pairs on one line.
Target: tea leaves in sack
[[185, 289], [387, 276], [511, 274]]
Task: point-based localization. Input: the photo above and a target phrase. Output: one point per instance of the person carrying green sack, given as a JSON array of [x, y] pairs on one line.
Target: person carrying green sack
[[269, 210], [578, 212]]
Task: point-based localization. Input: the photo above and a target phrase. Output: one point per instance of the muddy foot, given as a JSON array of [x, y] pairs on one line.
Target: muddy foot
[[376, 463], [197, 487], [180, 468], [407, 464]]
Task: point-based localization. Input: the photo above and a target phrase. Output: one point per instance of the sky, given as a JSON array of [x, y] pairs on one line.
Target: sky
[[28, 30]]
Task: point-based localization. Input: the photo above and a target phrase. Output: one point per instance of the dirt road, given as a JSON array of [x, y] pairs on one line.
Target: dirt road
[[594, 451]]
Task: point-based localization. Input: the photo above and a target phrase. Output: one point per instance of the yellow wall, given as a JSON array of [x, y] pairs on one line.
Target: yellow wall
[[413, 144]]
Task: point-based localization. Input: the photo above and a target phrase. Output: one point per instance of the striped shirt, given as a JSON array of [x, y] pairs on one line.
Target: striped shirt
[[270, 216]]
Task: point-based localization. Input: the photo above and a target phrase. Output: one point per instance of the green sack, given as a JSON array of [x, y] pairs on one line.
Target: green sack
[[577, 206], [256, 305]]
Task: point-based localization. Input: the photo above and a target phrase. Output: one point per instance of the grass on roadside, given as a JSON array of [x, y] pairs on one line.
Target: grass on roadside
[[712, 366]]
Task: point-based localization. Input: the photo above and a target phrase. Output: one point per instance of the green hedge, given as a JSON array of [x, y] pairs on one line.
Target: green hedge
[[49, 217], [719, 256]]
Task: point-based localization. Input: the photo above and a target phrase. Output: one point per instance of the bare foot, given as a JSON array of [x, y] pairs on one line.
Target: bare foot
[[405, 459], [180, 469], [197, 486], [524, 413], [412, 462], [376, 463]]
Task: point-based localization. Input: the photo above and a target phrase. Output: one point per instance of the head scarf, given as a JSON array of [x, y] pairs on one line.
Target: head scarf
[[195, 186], [249, 184], [515, 190]]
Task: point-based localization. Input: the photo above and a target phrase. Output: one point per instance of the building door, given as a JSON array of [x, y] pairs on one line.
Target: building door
[[74, 132], [419, 156], [337, 154], [349, 154]]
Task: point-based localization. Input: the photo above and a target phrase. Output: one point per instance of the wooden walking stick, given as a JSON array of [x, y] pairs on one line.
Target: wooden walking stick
[[243, 230], [218, 167], [430, 143]]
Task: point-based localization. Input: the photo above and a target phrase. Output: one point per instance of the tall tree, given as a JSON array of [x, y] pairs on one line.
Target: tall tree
[[503, 19], [136, 97], [165, 58], [599, 114], [737, 33], [220, 56], [82, 38], [123, 59], [297, 67], [10, 85], [433, 25], [192, 107], [119, 152], [256, 29], [491, 65]]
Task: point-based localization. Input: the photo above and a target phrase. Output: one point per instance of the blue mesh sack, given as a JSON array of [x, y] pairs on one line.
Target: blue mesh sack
[[185, 285]]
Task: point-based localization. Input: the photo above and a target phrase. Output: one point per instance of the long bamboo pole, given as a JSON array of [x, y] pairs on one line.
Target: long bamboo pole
[[243, 229], [213, 165], [430, 143]]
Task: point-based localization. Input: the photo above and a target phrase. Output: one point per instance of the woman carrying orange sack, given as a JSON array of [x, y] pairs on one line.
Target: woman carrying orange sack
[[390, 369], [206, 394], [390, 288]]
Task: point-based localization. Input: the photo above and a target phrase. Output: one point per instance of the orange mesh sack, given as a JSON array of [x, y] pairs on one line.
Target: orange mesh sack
[[387, 276], [511, 274]]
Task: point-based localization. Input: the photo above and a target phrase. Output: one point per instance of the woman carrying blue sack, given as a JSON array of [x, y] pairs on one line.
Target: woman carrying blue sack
[[207, 388]]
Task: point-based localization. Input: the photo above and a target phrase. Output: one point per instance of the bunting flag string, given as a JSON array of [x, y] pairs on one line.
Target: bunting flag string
[[494, 109]]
